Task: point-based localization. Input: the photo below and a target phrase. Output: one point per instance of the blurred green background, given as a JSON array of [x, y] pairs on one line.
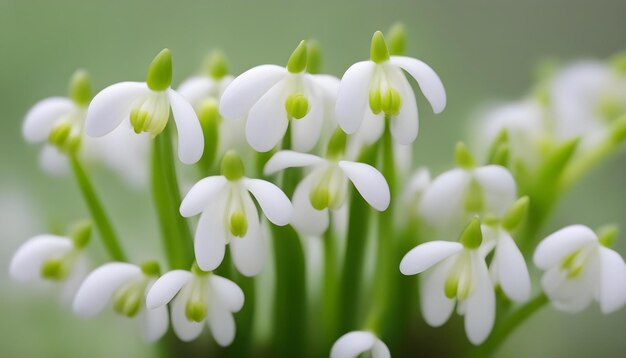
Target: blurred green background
[[484, 50]]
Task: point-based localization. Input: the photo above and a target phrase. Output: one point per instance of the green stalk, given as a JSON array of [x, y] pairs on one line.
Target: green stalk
[[99, 216], [504, 329], [329, 290], [177, 239]]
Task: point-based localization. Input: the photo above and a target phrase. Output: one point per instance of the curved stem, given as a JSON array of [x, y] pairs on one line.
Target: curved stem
[[98, 214]]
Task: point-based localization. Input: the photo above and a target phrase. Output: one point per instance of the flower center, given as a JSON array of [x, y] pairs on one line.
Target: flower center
[[575, 263], [327, 192], [459, 282], [58, 268], [150, 113], [67, 133], [383, 97], [129, 298], [196, 306], [237, 220]]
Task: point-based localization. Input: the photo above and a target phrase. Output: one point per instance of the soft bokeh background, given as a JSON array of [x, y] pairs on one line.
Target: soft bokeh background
[[482, 49]]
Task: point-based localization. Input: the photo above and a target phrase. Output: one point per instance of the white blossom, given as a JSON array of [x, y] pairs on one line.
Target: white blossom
[[354, 344]]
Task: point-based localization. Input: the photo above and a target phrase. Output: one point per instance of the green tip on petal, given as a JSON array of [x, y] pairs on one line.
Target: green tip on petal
[[81, 234], [195, 311], [472, 236], [314, 57], [298, 59], [514, 216], [337, 144], [217, 65], [80, 88], [159, 76], [232, 166], [297, 106], [319, 196], [151, 268], [54, 269], [378, 51], [607, 235], [618, 62], [397, 39], [238, 224], [463, 157]]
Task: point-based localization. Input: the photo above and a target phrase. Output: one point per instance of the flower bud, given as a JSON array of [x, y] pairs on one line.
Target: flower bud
[[397, 39], [378, 51], [232, 166], [514, 216], [472, 235], [217, 65], [463, 157], [298, 59], [80, 88], [81, 234], [159, 76]]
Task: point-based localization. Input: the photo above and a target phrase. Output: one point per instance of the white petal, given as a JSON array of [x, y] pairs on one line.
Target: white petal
[[185, 329], [511, 269], [222, 323], [201, 195], [245, 90], [305, 132], [380, 350], [442, 201], [196, 89], [435, 306], [190, 137], [569, 295], [404, 126], [166, 287], [305, 218], [42, 117], [290, 159], [328, 84], [210, 239], [424, 256], [274, 203], [371, 129], [267, 121], [352, 344], [249, 252], [53, 161], [28, 259], [353, 96], [154, 321], [228, 292], [98, 288], [500, 191], [426, 78], [369, 182], [557, 246], [612, 294], [111, 106], [480, 312]]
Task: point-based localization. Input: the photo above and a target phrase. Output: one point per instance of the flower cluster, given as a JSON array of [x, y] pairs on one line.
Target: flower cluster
[[286, 154]]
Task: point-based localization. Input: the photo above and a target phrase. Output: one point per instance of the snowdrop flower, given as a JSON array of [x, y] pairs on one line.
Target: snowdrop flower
[[456, 195], [274, 98], [459, 274], [198, 297], [147, 106], [587, 97], [126, 286], [53, 258], [508, 267], [580, 267], [353, 344], [230, 216], [374, 89], [326, 186]]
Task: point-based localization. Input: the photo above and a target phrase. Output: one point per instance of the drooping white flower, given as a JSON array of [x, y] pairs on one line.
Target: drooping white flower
[[326, 186], [460, 193], [459, 275], [354, 344], [125, 286], [229, 216], [274, 98], [147, 106], [371, 90], [579, 267], [198, 297], [587, 96]]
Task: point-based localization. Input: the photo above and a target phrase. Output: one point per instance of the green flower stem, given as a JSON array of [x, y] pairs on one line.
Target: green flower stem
[[242, 344], [290, 306], [100, 218], [352, 272], [177, 239], [580, 166], [504, 329], [329, 290]]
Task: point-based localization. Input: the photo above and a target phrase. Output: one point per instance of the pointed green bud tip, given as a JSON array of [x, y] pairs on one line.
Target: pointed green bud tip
[[232, 166], [314, 57], [80, 88], [298, 59], [217, 65], [296, 105], [607, 235], [618, 62], [81, 234], [151, 268], [501, 155], [195, 311], [54, 269], [208, 113], [378, 51], [159, 76], [238, 223], [337, 144], [463, 156], [397, 39], [472, 236], [516, 214], [196, 270]]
